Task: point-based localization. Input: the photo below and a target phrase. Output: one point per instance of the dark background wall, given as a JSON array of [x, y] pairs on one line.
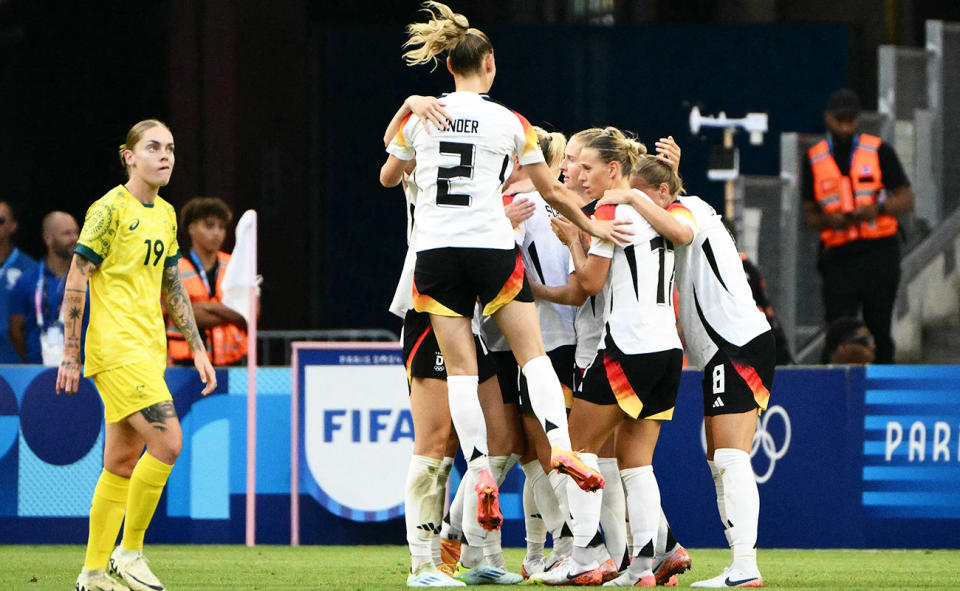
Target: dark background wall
[[281, 106]]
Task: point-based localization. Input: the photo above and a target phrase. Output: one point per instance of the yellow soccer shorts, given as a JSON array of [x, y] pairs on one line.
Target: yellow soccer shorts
[[130, 388]]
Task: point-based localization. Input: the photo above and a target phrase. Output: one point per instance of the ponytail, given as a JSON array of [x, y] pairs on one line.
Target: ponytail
[[446, 31]]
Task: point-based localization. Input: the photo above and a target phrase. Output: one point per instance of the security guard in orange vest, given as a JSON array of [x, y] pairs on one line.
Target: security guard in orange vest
[[853, 190], [202, 270]]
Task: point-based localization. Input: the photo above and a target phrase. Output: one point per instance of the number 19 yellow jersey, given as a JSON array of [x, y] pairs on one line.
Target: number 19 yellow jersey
[[132, 243]]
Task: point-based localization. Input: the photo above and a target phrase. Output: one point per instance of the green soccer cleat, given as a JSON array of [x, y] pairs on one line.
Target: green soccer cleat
[[486, 574]]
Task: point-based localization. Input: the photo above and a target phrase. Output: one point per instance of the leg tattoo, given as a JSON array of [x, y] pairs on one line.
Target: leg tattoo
[[158, 414]]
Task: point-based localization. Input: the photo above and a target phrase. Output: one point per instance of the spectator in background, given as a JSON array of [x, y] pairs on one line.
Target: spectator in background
[[848, 342], [13, 263], [202, 270], [853, 190], [36, 302]]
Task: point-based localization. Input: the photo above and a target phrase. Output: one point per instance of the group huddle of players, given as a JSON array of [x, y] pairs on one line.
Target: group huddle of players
[[551, 307]]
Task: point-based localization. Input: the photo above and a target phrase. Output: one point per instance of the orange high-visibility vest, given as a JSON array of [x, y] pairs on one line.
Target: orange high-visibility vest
[[227, 343], [838, 193]]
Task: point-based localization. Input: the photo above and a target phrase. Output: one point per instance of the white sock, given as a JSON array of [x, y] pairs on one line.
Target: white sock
[[534, 526], [545, 499], [443, 475], [468, 419], [665, 540], [420, 508], [742, 504], [613, 511], [584, 506], [721, 501], [472, 530], [498, 468], [558, 482], [470, 556], [546, 399], [643, 503], [454, 529]]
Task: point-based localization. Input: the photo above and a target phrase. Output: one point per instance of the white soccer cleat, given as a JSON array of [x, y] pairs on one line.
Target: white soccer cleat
[[98, 580], [486, 574], [134, 571], [628, 579], [532, 567], [429, 576], [570, 572], [731, 577]]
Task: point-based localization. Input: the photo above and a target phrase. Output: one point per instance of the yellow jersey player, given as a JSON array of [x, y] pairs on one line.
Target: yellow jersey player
[[128, 253]]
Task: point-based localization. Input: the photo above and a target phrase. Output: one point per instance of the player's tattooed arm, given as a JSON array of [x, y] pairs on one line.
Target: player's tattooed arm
[[74, 300], [181, 311], [179, 307], [158, 414]]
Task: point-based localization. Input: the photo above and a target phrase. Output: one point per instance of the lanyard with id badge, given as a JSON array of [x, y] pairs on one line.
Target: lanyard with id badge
[[51, 337]]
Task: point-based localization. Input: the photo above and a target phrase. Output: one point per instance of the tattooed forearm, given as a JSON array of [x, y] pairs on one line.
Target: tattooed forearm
[[179, 307], [74, 300], [158, 414]]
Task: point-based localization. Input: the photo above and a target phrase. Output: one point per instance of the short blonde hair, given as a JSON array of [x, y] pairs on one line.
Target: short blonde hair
[[552, 144]]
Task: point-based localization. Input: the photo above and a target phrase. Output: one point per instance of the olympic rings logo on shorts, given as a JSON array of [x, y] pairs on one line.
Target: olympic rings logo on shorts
[[763, 440]]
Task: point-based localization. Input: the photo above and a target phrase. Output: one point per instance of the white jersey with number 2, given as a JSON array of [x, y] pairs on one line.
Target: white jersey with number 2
[[460, 172]]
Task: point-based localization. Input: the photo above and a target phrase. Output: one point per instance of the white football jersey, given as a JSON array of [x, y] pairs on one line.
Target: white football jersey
[[717, 308], [460, 172], [545, 262], [588, 323], [639, 315], [403, 296]]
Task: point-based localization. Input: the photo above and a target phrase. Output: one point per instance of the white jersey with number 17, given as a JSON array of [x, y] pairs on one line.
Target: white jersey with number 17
[[639, 315], [460, 172]]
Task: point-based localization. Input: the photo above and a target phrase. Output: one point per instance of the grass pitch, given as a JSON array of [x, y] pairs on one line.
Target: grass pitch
[[268, 568]]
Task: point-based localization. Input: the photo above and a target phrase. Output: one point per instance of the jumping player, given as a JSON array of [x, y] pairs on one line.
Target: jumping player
[[465, 246]]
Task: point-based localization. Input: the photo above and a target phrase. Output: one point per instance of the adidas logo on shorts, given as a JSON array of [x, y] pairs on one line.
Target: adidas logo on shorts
[[718, 403]]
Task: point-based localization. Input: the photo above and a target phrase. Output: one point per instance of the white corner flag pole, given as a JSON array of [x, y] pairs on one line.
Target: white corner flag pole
[[240, 294], [251, 520]]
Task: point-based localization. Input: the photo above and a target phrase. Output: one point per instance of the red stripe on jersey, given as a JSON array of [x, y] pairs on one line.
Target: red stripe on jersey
[[509, 290], [508, 199], [760, 393], [606, 212], [413, 353], [398, 139], [425, 303], [531, 142], [626, 397]]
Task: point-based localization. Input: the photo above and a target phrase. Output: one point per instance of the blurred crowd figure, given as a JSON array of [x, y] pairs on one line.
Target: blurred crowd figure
[[31, 292], [202, 268], [848, 342]]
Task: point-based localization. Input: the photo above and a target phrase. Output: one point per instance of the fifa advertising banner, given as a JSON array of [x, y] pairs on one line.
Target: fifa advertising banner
[[844, 457]]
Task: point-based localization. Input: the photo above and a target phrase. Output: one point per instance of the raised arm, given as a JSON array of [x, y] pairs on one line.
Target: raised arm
[[181, 311], [590, 272], [74, 300], [662, 221], [566, 202]]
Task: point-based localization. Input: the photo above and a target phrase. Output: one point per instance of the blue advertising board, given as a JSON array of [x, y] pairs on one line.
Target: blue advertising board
[[844, 457]]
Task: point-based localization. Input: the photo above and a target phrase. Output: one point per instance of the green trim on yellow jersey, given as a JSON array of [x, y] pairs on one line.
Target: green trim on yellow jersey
[[88, 254]]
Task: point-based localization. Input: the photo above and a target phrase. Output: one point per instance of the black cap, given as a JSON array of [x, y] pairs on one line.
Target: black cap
[[843, 103]]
